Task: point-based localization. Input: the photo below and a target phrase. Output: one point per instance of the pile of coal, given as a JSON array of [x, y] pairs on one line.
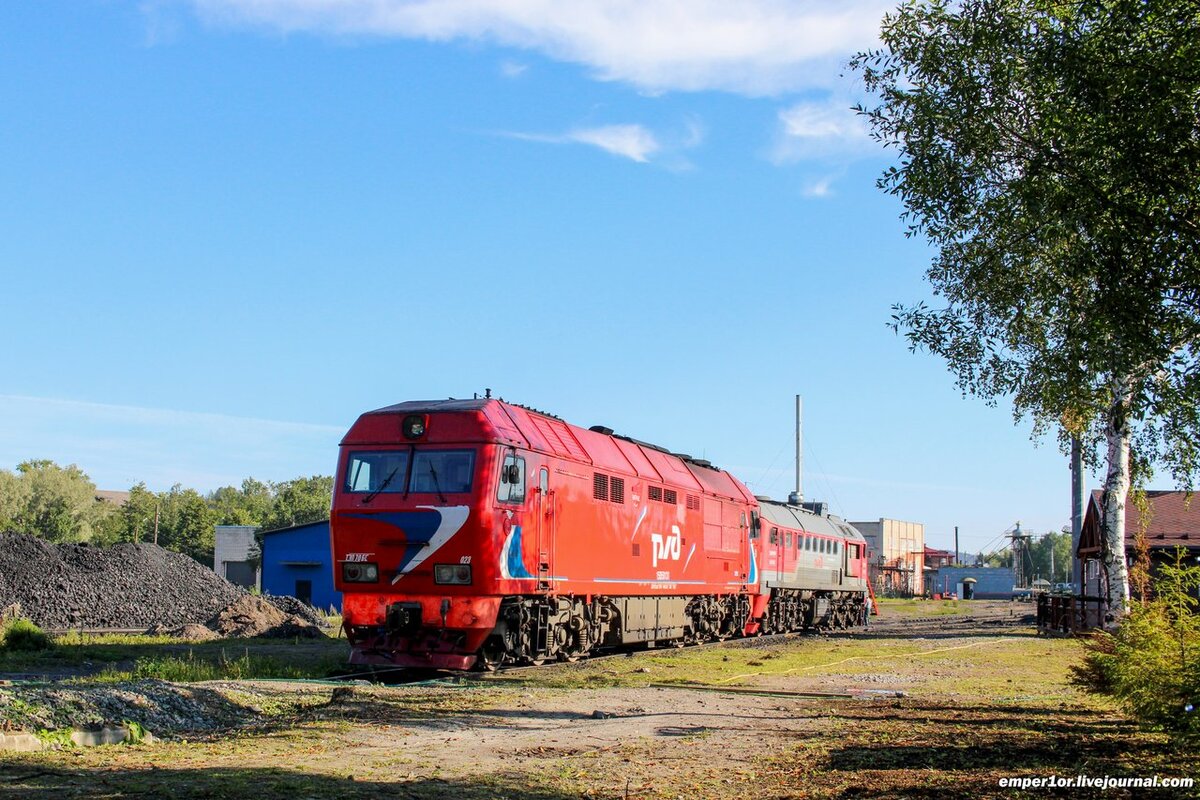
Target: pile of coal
[[124, 586], [138, 586]]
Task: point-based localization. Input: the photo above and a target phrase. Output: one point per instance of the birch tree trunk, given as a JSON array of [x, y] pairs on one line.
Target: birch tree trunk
[[1116, 494]]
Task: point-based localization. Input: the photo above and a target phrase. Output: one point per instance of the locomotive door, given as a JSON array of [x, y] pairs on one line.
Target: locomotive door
[[545, 529], [778, 554]]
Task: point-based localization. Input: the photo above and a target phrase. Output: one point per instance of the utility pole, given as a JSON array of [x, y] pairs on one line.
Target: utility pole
[[1076, 511], [956, 561]]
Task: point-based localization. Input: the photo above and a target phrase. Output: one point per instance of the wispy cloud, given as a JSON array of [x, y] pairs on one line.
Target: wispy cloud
[[120, 445], [812, 130], [755, 47], [628, 141], [631, 141], [821, 187], [511, 69]]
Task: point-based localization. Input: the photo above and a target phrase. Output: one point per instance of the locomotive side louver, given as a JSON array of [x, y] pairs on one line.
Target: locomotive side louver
[[616, 488], [600, 487]]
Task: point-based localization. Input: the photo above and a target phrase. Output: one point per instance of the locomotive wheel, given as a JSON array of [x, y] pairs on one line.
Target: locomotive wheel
[[491, 655]]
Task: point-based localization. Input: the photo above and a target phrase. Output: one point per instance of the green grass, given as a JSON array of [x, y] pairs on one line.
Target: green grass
[[110, 657], [1009, 665], [192, 668]]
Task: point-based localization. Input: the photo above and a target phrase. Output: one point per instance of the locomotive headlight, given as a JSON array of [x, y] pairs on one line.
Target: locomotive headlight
[[360, 571], [414, 426], [452, 573]]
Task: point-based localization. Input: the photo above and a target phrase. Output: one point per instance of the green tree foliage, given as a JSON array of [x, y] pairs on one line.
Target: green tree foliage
[[1151, 664], [1050, 152], [44, 499], [138, 515], [1000, 558], [249, 505], [14, 499], [1055, 569], [185, 523], [58, 503], [299, 501]]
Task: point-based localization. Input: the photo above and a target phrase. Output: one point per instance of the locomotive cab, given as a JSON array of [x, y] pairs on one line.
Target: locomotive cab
[[414, 507]]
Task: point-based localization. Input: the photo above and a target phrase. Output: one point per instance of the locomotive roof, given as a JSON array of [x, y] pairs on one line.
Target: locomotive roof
[[601, 449], [415, 406], [797, 518]]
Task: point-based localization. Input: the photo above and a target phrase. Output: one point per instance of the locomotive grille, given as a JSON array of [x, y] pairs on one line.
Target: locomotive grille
[[616, 490], [600, 487], [693, 502], [655, 493], [669, 496]]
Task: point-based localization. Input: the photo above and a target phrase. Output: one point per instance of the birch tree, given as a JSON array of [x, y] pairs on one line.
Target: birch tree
[[1050, 154]]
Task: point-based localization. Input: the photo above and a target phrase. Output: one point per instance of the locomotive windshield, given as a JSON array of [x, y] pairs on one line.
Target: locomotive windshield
[[377, 472], [442, 471], [433, 471]]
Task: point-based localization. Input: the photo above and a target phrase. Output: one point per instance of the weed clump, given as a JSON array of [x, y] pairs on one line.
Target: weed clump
[[19, 633]]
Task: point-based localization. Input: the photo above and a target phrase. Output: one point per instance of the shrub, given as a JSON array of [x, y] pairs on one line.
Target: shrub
[[21, 634], [1151, 664]]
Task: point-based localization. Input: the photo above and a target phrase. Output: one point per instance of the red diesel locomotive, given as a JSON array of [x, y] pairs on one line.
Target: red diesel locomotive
[[470, 533]]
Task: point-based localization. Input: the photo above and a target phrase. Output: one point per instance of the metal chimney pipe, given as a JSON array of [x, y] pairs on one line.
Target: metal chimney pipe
[[799, 449]]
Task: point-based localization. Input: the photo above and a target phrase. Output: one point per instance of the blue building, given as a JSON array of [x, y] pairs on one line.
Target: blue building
[[991, 583], [299, 561]]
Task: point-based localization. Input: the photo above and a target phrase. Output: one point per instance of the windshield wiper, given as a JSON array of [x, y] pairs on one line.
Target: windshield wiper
[[436, 486], [381, 486]]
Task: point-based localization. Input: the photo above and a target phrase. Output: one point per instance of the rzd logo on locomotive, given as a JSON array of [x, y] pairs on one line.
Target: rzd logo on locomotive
[[666, 547]]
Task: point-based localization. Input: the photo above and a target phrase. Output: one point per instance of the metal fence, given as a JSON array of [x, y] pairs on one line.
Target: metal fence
[[1069, 614]]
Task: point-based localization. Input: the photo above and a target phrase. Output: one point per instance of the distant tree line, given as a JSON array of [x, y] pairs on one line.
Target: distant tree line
[[59, 504]]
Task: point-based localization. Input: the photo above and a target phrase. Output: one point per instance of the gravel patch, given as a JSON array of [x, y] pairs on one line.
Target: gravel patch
[[163, 708]]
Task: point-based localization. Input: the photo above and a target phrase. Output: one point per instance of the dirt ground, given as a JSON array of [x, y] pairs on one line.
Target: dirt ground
[[902, 711]]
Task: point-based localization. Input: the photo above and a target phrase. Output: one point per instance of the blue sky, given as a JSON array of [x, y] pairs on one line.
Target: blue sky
[[228, 227]]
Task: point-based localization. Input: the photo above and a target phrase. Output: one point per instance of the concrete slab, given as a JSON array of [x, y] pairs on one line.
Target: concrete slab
[[21, 742]]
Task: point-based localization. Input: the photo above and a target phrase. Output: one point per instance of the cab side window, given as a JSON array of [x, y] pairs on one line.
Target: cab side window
[[512, 480]]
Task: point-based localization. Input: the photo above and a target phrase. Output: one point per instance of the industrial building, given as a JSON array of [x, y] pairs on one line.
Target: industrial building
[[990, 583], [234, 554], [298, 561], [897, 556]]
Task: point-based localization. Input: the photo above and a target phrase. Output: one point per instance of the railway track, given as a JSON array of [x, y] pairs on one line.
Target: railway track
[[985, 622], [988, 621]]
